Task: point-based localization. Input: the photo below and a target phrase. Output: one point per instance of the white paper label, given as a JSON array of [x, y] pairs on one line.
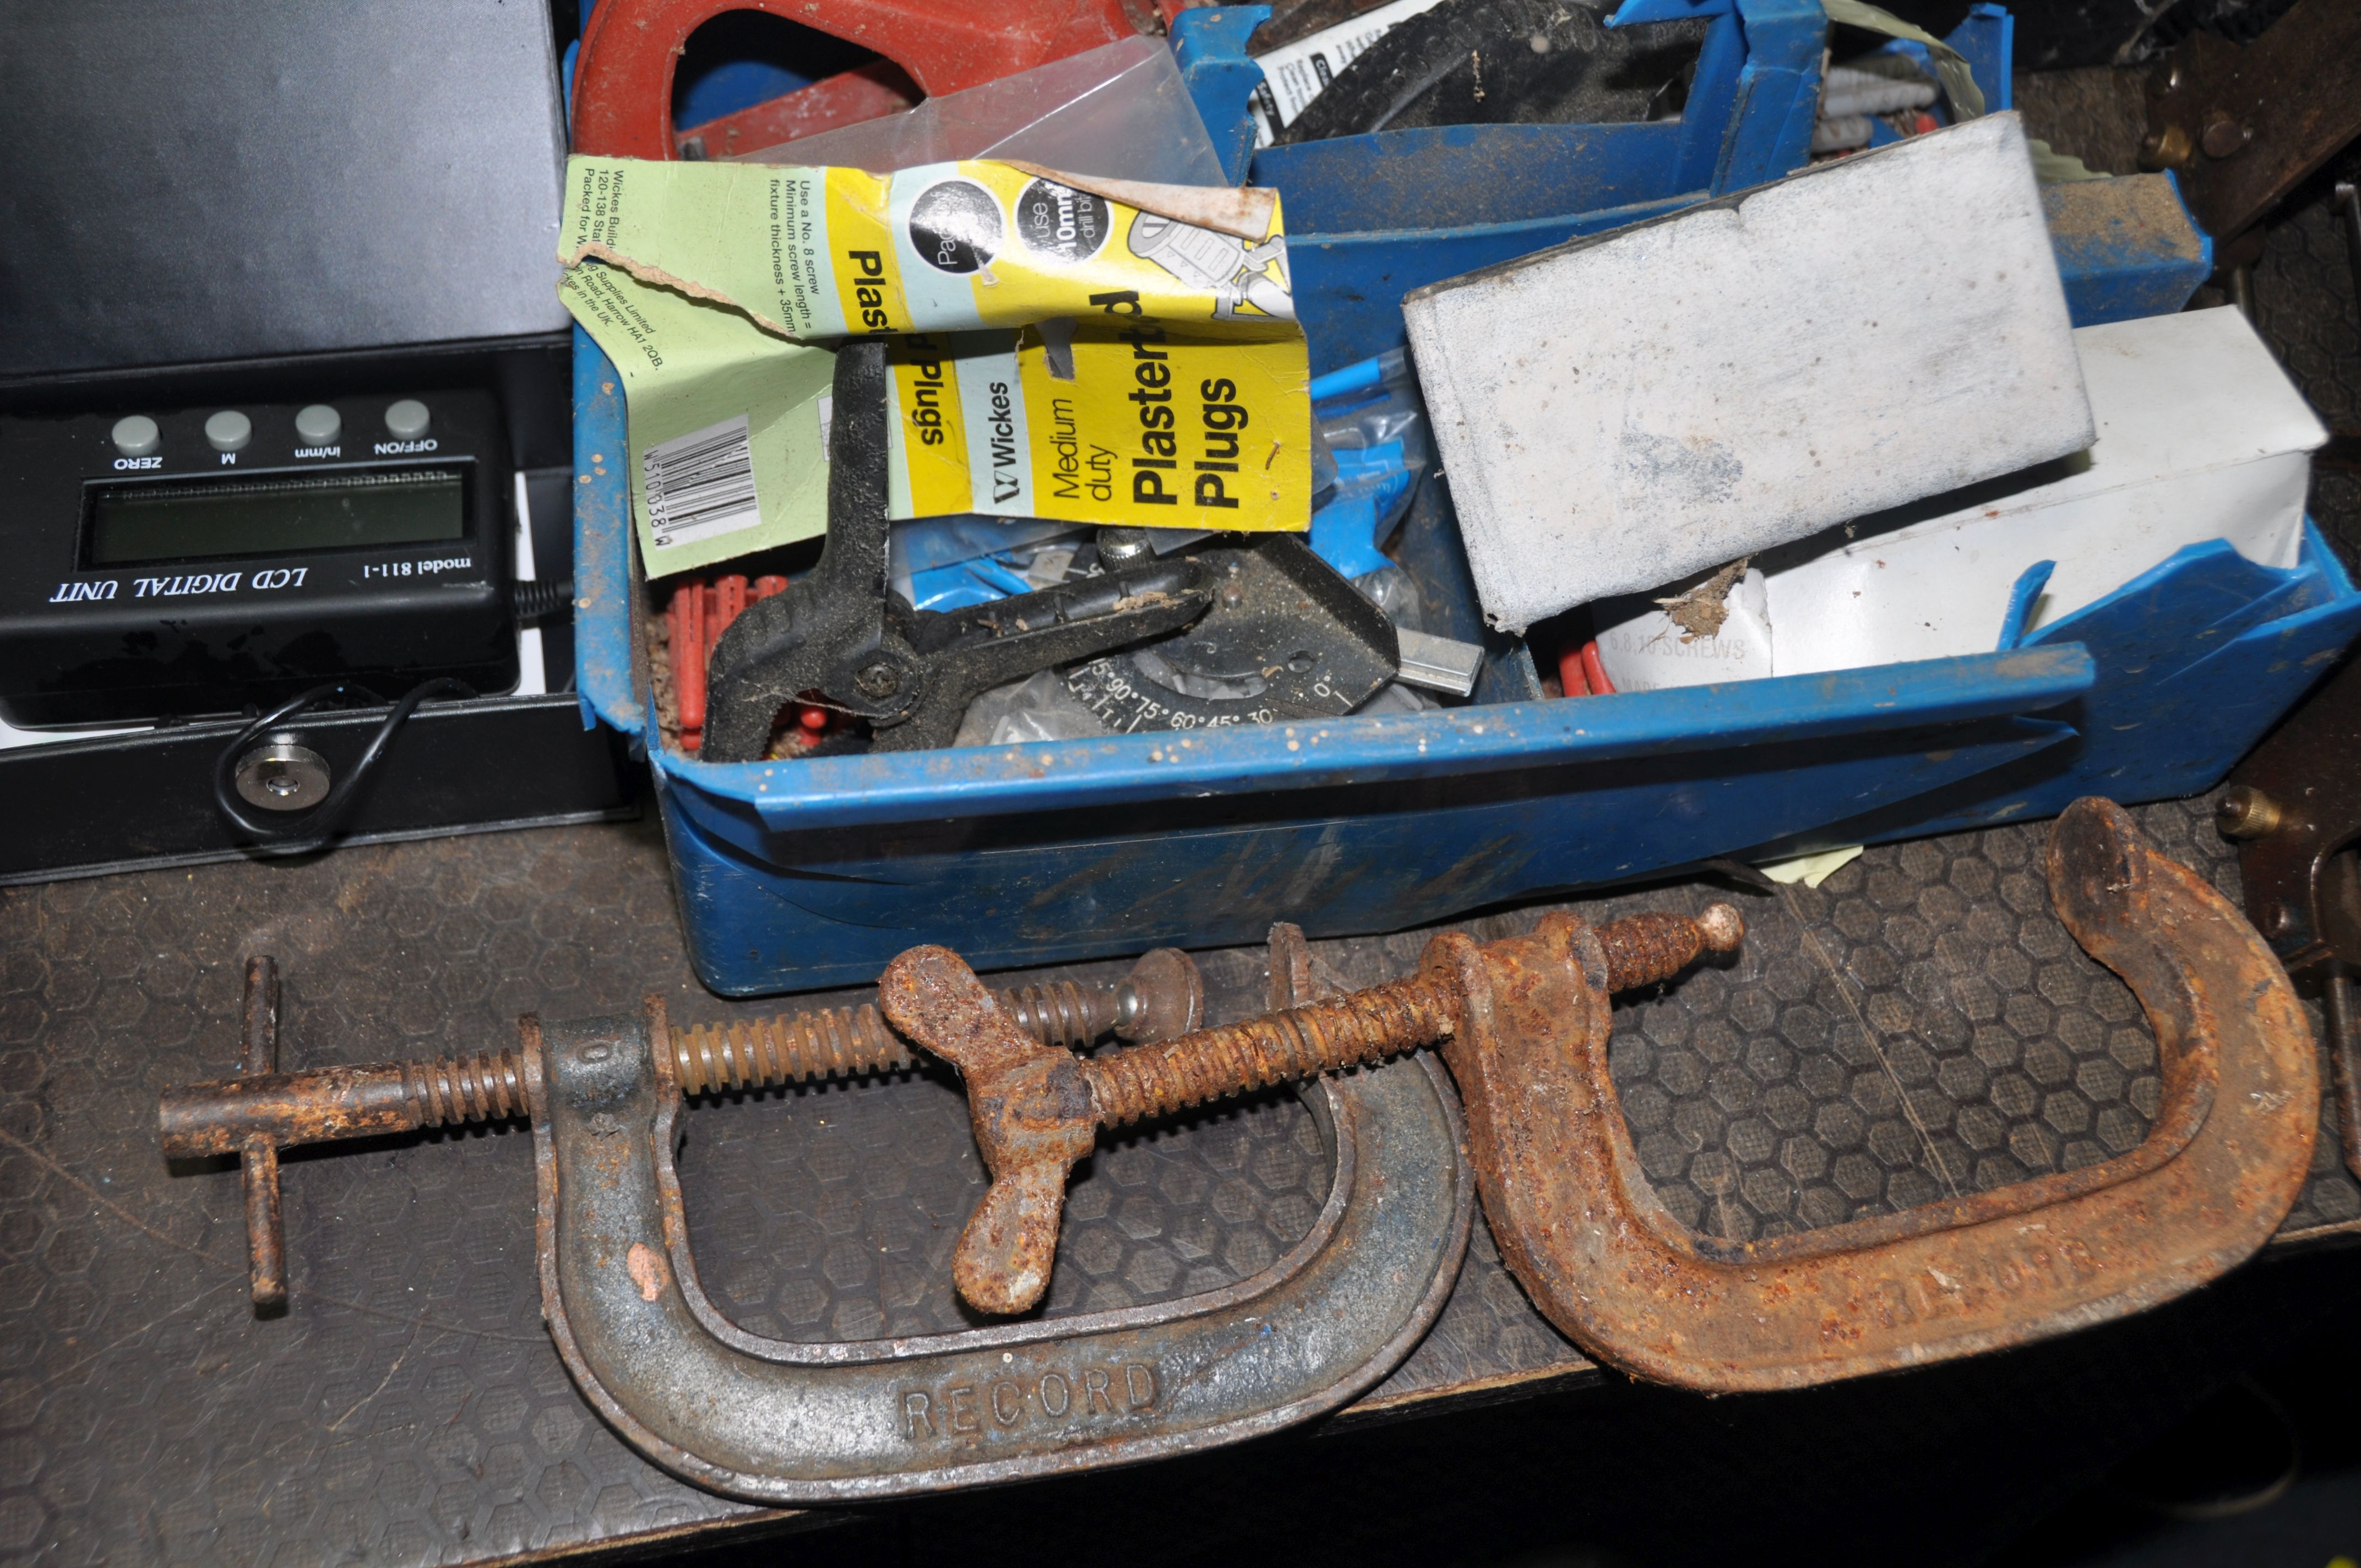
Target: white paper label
[[702, 483], [1294, 74]]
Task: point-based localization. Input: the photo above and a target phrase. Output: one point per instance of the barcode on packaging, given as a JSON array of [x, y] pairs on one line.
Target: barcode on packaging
[[701, 485]]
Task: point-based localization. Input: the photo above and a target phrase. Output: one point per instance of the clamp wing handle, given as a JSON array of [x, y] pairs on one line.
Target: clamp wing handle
[[1034, 1117]]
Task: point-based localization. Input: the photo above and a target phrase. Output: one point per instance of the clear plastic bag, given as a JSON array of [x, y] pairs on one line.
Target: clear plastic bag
[[1395, 593], [1324, 469], [1187, 683], [1370, 432], [1117, 112], [1037, 708], [1371, 403], [1040, 707], [945, 563]]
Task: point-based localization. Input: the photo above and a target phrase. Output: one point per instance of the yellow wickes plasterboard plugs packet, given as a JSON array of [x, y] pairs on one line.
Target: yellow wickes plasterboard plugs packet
[[1078, 349], [1162, 429]]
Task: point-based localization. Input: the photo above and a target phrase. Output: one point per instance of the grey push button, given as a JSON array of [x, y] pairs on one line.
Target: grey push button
[[135, 436], [318, 425], [230, 431], [407, 420]]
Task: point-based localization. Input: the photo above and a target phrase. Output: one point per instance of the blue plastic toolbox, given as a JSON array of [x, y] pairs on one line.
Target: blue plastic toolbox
[[813, 874], [1371, 217]]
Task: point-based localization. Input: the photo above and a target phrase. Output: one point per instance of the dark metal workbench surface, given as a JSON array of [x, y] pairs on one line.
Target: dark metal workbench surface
[[1919, 1025]]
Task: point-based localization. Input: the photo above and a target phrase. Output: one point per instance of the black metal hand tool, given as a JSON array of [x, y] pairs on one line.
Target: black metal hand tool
[[841, 638], [1287, 638]]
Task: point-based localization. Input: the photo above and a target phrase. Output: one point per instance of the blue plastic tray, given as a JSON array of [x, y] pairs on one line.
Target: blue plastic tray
[[794, 875], [815, 873]]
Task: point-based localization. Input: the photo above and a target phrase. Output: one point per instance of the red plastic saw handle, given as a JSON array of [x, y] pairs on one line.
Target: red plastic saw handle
[[622, 77]]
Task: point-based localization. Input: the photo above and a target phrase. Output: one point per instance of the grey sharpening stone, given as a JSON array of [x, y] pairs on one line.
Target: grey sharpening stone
[[1627, 408]]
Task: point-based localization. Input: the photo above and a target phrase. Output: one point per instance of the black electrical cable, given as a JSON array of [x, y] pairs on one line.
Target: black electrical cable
[[312, 827], [539, 599]]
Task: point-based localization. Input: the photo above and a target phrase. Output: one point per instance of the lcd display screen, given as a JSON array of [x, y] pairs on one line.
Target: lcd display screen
[[133, 525]]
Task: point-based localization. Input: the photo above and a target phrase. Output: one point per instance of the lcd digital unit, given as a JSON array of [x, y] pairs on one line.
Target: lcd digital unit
[[213, 520], [190, 562]]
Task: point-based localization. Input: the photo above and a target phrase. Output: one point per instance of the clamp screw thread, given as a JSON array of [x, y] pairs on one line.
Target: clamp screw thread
[[834, 1042], [1060, 1012], [1142, 1081], [1645, 948], [486, 1087], [845, 1042], [1361, 1026]]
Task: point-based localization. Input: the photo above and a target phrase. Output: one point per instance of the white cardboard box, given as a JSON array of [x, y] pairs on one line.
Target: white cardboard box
[[2200, 435], [1624, 410]]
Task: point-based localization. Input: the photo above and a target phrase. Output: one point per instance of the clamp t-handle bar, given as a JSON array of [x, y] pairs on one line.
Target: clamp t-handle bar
[[263, 1111]]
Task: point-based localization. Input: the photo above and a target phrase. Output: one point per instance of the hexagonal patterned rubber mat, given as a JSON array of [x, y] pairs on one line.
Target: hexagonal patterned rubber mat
[[1918, 1025]]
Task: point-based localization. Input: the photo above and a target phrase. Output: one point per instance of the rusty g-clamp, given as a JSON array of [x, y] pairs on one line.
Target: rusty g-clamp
[[1524, 1025], [2223, 1164], [782, 1421], [1037, 1111]]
